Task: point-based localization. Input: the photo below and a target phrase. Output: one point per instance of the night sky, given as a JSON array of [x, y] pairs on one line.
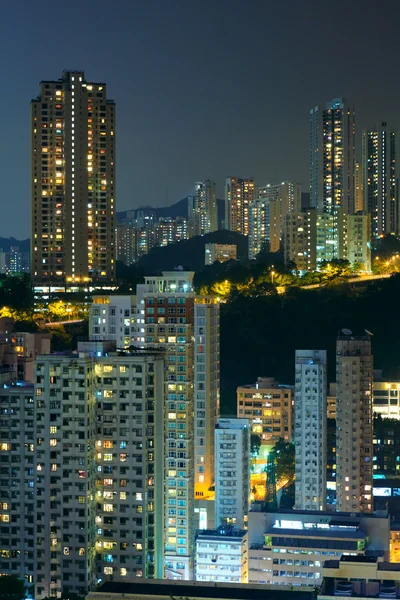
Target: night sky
[[204, 88]]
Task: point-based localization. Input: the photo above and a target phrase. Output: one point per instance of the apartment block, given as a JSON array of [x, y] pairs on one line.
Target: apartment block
[[239, 194], [99, 463], [354, 433], [186, 327], [18, 496], [265, 227], [114, 318], [202, 208], [386, 399], [222, 555], [232, 472], [310, 429], [73, 182], [268, 405], [14, 262]]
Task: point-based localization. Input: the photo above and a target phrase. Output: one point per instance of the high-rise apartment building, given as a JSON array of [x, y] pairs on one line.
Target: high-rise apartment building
[[14, 262], [358, 188], [98, 429], [202, 208], [222, 555], [232, 472], [185, 326], [264, 226], [354, 428], [300, 239], [310, 429], [73, 181], [354, 239], [18, 497], [239, 194], [379, 179], [287, 194], [268, 406], [332, 156]]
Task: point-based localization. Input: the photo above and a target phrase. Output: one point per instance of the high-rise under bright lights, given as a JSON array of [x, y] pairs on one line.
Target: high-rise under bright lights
[[73, 182]]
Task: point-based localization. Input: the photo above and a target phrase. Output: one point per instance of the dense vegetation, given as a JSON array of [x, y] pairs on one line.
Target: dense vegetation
[[259, 334]]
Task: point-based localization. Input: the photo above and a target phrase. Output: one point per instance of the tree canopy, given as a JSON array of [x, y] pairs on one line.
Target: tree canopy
[[11, 588]]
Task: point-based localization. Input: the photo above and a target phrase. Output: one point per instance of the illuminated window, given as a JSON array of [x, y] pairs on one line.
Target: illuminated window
[[81, 551], [53, 429], [53, 442], [108, 457], [123, 571], [107, 368], [81, 499], [4, 446], [66, 551], [107, 482], [122, 457], [108, 508], [108, 570], [108, 444]]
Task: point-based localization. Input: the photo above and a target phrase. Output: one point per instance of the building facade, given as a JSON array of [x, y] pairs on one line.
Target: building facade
[[380, 179], [268, 406], [202, 208], [239, 194], [332, 156], [185, 326], [264, 227], [99, 468], [73, 181], [232, 472], [354, 433], [14, 262], [222, 555], [310, 429], [114, 318]]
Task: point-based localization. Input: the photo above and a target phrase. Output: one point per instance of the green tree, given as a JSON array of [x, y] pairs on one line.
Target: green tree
[[285, 460], [11, 588], [255, 443]]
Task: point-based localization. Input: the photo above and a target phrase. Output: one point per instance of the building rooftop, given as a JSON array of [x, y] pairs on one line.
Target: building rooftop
[[317, 533], [223, 532], [193, 589]]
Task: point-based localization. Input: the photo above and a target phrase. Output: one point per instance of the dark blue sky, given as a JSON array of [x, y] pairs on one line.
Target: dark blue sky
[[204, 88]]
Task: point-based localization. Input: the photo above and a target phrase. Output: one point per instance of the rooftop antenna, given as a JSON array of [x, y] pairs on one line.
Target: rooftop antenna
[[368, 332]]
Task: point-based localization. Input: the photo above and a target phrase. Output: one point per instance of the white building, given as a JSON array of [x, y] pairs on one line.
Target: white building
[[114, 318], [222, 555], [354, 427], [232, 472], [310, 429]]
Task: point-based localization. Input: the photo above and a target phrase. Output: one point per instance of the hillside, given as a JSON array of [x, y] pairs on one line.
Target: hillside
[[179, 209], [190, 253], [6, 243]]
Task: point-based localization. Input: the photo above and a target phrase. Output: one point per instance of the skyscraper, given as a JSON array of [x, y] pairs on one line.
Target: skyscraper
[[202, 208], [186, 327], [354, 429], [379, 179], [332, 156], [310, 429], [73, 181], [287, 193], [239, 194], [358, 188]]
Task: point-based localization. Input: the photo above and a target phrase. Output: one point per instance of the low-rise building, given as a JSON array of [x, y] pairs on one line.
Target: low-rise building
[[386, 399], [222, 555], [290, 547]]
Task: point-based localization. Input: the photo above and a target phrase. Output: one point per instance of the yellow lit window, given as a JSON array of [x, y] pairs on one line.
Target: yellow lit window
[[66, 550], [53, 428], [122, 457], [122, 495], [107, 369], [81, 499], [81, 551], [108, 457], [53, 442], [5, 518], [107, 482], [108, 570], [108, 495], [108, 508], [108, 545], [108, 393], [123, 571], [108, 444], [4, 446]]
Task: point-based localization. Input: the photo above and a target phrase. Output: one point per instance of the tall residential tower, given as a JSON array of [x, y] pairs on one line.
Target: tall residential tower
[[310, 429], [239, 194], [354, 429], [380, 187], [73, 181], [332, 156]]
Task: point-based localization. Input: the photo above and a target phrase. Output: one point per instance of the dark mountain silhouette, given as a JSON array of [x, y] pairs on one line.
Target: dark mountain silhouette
[[6, 243]]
